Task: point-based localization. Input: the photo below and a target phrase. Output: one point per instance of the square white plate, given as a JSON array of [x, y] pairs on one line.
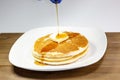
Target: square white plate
[[21, 52]]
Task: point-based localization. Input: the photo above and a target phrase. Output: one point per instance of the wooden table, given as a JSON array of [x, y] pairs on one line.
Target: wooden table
[[108, 68]]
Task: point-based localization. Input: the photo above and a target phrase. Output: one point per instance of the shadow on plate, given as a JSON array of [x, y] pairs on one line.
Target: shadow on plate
[[58, 74]]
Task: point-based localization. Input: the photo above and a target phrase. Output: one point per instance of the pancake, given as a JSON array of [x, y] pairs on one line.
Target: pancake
[[58, 49]]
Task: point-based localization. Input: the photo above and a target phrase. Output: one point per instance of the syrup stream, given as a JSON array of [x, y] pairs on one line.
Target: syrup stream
[[57, 18]]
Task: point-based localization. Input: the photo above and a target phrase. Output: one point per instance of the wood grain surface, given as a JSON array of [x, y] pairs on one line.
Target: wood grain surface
[[108, 68]]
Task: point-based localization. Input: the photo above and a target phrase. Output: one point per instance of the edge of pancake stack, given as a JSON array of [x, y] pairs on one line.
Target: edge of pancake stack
[[58, 49]]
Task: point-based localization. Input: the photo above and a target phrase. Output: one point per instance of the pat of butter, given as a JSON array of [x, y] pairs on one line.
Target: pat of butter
[[59, 37]]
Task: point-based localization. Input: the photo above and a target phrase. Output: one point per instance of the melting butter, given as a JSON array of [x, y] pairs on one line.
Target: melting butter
[[59, 37]]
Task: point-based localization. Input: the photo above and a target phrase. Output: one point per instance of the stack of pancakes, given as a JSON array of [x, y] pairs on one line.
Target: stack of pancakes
[[50, 51]]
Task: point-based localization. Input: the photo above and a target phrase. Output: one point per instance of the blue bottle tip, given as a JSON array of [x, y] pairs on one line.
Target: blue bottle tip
[[56, 1]]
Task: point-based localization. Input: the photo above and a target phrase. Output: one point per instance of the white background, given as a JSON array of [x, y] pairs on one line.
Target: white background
[[23, 15]]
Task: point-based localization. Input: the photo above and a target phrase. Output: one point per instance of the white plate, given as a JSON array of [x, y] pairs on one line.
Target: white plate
[[21, 52]]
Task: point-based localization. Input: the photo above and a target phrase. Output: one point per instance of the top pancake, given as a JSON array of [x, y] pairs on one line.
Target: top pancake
[[73, 43]]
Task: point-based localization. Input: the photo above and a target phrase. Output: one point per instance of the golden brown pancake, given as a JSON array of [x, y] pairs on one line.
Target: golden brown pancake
[[71, 48]]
